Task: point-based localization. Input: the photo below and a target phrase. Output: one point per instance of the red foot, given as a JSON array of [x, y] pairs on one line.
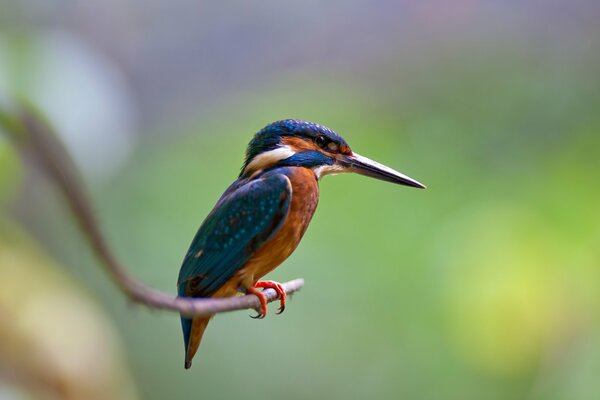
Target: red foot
[[278, 288], [263, 299]]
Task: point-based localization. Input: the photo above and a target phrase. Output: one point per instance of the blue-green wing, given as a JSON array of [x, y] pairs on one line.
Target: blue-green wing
[[239, 225]]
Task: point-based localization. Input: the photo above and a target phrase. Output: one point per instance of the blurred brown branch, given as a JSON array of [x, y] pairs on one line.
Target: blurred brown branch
[[33, 134]]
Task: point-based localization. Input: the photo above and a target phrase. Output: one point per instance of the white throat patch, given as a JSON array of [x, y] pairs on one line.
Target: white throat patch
[[324, 170]]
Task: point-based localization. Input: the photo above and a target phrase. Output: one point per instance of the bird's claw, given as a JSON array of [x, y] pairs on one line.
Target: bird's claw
[[278, 287], [258, 316], [262, 311]]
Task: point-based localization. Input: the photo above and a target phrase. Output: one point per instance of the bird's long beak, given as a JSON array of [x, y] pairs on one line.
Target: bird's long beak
[[364, 166]]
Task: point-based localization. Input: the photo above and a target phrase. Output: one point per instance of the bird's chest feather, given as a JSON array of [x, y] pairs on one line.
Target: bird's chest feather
[[305, 197]]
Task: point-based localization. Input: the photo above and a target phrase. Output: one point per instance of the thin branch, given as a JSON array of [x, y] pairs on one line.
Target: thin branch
[[31, 132]]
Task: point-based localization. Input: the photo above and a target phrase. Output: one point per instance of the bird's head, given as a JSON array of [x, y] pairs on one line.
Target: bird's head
[[306, 144]]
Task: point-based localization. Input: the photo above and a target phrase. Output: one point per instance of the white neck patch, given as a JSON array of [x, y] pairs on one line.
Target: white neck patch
[[269, 158]]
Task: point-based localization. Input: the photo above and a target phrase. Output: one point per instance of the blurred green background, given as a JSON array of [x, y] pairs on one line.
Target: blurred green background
[[484, 286]]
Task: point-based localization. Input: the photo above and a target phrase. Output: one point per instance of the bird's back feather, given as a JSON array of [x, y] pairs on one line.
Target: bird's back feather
[[241, 222]]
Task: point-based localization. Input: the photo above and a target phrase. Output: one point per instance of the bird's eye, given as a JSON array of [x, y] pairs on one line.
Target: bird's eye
[[321, 141]]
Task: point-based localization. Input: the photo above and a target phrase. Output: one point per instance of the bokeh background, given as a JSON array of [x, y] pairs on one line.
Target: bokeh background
[[485, 286]]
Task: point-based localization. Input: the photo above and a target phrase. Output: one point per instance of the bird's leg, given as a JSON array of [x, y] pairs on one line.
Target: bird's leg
[[263, 299], [278, 288]]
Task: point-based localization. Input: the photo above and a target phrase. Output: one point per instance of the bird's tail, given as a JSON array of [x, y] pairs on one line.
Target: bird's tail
[[193, 330]]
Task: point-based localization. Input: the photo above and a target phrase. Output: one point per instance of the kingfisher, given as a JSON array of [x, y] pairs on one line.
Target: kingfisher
[[260, 219]]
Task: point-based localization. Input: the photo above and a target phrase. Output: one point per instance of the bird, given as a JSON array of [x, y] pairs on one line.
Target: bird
[[262, 216]]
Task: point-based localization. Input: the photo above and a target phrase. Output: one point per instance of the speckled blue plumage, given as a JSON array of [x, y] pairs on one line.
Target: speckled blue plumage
[[241, 222], [245, 217]]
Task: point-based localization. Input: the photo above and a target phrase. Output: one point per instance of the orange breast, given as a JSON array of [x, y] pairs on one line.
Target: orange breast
[[305, 197]]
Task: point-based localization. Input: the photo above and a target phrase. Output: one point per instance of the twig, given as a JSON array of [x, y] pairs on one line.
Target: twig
[[31, 131]]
